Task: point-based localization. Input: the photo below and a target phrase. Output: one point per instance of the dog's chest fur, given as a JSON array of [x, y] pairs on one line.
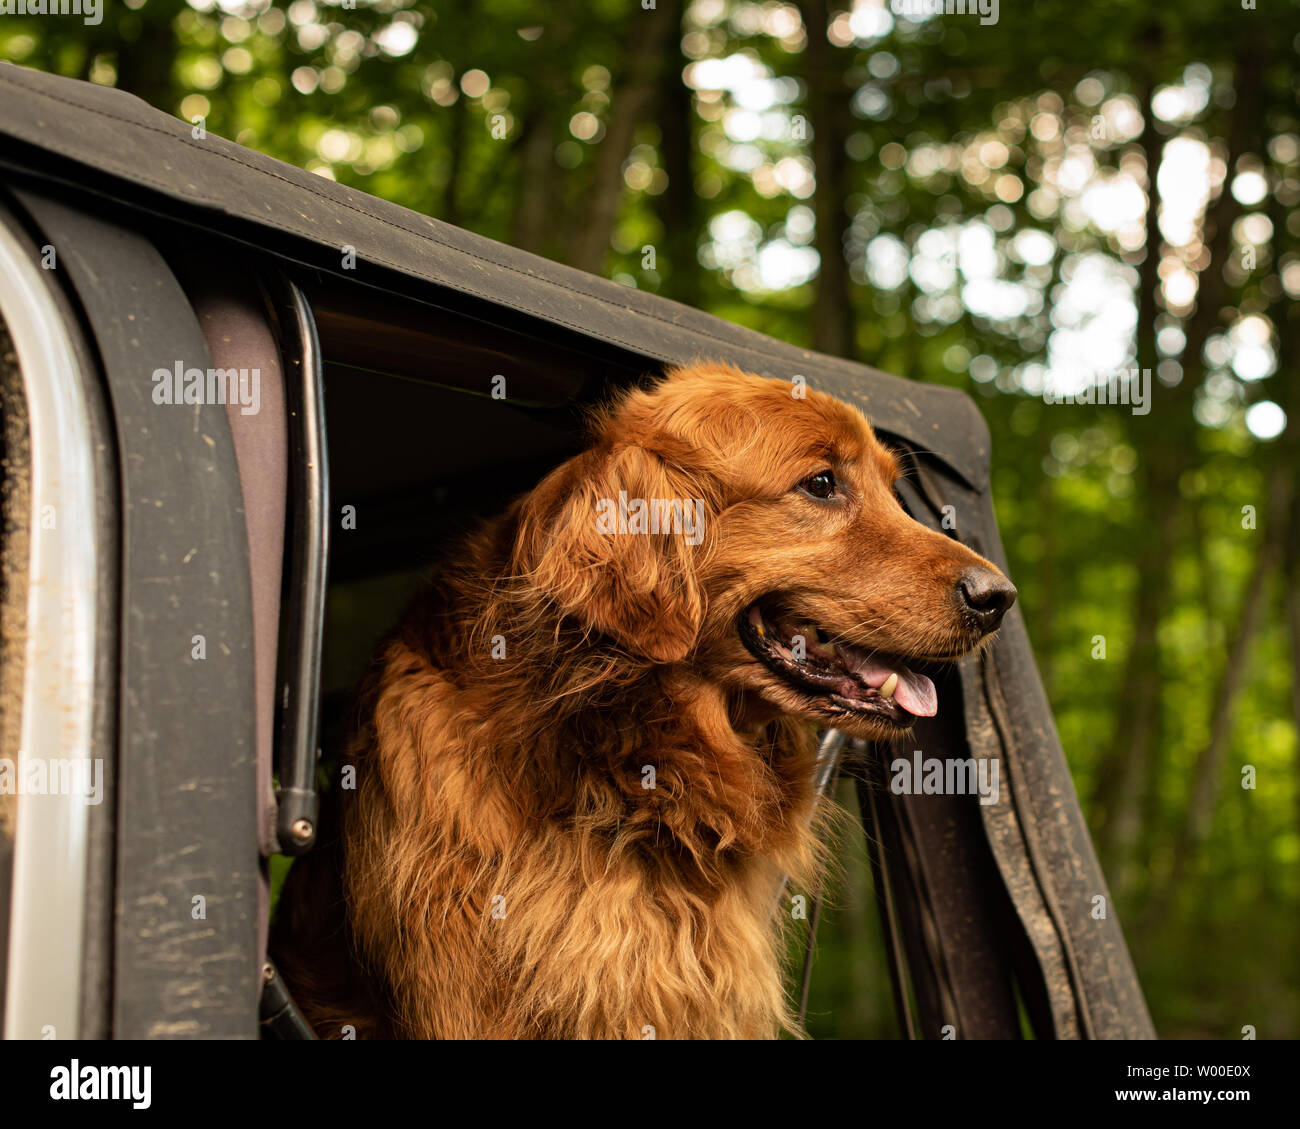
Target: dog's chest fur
[[508, 884]]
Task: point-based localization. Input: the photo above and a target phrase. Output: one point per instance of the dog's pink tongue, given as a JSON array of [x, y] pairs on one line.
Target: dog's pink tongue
[[915, 693]]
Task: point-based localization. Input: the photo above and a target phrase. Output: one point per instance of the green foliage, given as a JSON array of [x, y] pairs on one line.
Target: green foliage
[[470, 113]]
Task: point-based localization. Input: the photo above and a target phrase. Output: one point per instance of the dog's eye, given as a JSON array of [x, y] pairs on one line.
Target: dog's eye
[[820, 485]]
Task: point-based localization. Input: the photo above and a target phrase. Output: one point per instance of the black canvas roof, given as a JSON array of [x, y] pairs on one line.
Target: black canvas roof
[[104, 141]]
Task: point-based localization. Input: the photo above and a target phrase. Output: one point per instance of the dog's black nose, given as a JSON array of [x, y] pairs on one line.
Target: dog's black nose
[[987, 595]]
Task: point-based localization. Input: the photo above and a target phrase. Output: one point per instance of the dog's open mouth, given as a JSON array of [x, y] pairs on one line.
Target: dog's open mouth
[[842, 678]]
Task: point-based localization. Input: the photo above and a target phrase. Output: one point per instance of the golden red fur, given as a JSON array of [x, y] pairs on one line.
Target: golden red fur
[[502, 870]]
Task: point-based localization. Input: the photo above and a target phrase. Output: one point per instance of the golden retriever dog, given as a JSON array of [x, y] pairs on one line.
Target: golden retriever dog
[[583, 760]]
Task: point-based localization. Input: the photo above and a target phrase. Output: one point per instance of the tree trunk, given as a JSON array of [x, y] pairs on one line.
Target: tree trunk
[[532, 217], [1292, 598], [1124, 770], [1286, 319], [833, 328], [144, 65], [678, 205], [450, 210], [1208, 769], [648, 37], [1125, 773]]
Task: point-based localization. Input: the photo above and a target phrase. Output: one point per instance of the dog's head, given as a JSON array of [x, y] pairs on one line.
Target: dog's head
[[726, 521]]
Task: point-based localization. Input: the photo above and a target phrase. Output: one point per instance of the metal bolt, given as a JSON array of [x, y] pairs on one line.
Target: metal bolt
[[302, 830], [268, 973]]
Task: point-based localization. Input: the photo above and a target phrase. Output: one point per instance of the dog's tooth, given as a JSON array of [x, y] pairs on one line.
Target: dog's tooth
[[888, 687]]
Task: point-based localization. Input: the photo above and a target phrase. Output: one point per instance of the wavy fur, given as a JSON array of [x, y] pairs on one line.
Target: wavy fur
[[501, 869]]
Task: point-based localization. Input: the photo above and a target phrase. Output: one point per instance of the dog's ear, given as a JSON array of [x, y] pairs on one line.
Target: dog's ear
[[612, 537]]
